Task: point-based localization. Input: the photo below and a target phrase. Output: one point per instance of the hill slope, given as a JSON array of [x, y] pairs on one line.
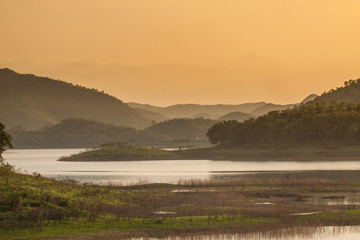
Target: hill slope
[[350, 92], [176, 132], [321, 125], [270, 107], [72, 133], [34, 102], [309, 98], [154, 116]]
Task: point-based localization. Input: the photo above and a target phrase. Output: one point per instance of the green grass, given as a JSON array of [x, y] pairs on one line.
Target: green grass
[[122, 151]]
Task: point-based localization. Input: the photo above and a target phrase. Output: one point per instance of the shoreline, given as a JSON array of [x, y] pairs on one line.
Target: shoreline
[[215, 154]]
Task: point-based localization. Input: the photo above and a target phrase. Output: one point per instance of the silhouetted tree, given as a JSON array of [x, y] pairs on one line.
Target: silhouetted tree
[[5, 139]]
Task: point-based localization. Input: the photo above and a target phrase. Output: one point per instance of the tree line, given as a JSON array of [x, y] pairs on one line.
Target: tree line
[[5, 139], [319, 124]]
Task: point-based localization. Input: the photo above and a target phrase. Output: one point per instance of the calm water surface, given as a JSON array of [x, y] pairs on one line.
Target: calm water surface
[[43, 161], [314, 233]]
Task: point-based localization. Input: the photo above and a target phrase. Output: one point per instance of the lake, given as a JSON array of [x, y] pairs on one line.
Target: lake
[[44, 161], [304, 233]]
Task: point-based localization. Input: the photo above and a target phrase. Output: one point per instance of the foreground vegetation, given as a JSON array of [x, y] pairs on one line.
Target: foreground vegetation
[[37, 207]]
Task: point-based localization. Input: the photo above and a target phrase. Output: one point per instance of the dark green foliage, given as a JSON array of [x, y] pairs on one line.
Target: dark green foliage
[[5, 139], [72, 133], [321, 124], [182, 128], [178, 130], [34, 102], [220, 132]]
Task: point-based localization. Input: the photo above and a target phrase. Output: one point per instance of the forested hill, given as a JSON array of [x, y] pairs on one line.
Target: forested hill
[[34, 102], [181, 128], [350, 92], [72, 133], [320, 124], [80, 133]]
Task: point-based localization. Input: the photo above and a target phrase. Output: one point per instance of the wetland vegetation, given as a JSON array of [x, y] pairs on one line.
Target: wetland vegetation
[[36, 207]]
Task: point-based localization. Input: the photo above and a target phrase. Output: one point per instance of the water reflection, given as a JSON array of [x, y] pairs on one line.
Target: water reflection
[[315, 233], [344, 199]]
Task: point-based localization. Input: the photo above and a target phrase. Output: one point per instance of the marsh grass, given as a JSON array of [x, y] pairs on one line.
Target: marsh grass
[[32, 206]]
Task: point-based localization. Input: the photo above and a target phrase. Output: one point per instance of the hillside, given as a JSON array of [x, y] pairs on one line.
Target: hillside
[[34, 102], [154, 116], [350, 92], [178, 131], [238, 116], [309, 98], [72, 133], [315, 125]]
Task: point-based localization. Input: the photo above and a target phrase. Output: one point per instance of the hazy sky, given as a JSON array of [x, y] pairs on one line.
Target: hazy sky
[[164, 52]]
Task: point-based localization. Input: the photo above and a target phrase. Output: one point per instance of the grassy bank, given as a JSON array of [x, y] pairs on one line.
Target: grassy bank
[[129, 152], [121, 152], [36, 207]]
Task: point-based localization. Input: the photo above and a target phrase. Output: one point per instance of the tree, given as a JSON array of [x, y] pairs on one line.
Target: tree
[[5, 139], [222, 132]]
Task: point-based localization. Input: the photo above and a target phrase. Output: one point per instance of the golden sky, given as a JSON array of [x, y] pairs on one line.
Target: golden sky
[[164, 52]]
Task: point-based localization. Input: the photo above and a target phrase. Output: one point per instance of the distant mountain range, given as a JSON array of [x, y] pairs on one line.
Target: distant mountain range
[[34, 102], [210, 111]]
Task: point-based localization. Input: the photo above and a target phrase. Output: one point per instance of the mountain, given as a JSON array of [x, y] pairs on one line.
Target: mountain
[[238, 116], [270, 107], [72, 133], [350, 92], [154, 116], [309, 98], [196, 110], [34, 102]]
